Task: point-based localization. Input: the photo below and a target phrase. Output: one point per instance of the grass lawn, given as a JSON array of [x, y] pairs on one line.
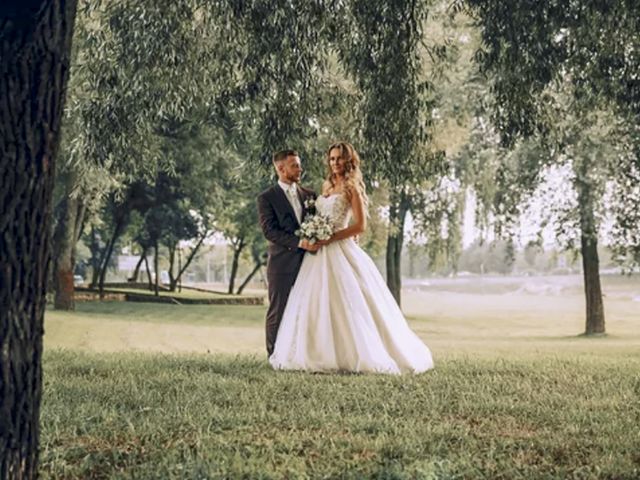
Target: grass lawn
[[156, 327], [159, 416], [130, 392]]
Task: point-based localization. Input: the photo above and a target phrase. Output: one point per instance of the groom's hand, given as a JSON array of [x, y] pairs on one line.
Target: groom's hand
[[311, 247]]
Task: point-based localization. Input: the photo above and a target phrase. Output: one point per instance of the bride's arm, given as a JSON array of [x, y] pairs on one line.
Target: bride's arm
[[359, 224]]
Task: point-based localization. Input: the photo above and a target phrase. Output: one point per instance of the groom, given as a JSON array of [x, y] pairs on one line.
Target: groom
[[281, 210]]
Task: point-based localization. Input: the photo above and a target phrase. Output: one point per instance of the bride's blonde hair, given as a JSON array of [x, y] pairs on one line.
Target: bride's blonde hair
[[352, 174]]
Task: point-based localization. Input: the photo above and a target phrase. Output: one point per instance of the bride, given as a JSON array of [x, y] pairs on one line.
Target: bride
[[340, 315]]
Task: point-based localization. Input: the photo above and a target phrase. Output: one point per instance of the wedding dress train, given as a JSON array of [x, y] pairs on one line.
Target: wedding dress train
[[340, 315]]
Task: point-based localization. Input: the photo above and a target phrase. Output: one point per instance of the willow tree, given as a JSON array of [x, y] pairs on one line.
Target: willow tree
[[131, 91], [35, 43], [282, 83], [381, 51], [549, 61]]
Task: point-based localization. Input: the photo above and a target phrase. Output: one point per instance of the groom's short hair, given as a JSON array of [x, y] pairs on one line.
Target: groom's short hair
[[283, 154]]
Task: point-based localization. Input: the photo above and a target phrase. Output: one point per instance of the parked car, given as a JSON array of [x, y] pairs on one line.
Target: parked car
[[78, 280]]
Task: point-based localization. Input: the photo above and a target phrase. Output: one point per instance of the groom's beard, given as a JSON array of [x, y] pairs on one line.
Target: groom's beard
[[294, 178]]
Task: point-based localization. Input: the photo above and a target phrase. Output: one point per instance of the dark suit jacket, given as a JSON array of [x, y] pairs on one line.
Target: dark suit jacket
[[278, 221]]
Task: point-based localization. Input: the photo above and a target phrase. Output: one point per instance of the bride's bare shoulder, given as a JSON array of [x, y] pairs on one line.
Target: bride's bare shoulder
[[326, 187]]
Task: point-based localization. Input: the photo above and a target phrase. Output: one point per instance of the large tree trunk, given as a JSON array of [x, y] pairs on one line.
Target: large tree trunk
[[398, 208], [589, 251], [592, 289], [35, 43]]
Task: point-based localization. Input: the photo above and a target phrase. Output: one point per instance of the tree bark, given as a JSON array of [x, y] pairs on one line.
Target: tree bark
[[592, 289], [65, 238], [398, 208], [63, 257], [35, 45], [589, 249]]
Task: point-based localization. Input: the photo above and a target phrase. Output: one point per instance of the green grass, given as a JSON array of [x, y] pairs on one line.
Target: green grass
[[516, 393], [161, 416], [154, 327]]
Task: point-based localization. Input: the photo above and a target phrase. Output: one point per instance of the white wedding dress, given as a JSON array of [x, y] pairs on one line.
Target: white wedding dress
[[341, 316]]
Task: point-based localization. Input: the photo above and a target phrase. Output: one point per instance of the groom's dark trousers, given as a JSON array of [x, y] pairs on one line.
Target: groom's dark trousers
[[278, 222]]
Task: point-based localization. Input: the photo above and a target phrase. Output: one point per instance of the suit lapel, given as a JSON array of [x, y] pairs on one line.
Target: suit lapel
[[286, 204]]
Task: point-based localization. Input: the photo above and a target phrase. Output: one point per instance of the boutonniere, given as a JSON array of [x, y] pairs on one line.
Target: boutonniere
[[310, 206]]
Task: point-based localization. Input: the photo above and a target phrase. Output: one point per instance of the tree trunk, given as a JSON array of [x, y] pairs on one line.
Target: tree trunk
[[65, 239], [192, 255], [156, 261], [146, 264], [179, 269], [182, 267], [592, 289], [66, 236], [96, 259], [238, 246], [136, 271], [81, 217], [173, 281], [249, 277], [104, 262], [589, 250], [117, 231], [35, 46], [398, 208]]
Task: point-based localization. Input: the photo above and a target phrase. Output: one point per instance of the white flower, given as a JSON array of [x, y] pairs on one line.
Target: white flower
[[309, 203], [316, 227]]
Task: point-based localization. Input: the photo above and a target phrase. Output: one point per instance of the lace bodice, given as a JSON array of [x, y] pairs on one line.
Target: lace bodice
[[336, 207]]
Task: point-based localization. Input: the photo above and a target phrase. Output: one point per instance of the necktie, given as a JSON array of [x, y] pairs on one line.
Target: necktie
[[292, 193]]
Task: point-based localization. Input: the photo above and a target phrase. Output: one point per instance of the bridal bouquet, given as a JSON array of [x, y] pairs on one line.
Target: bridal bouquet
[[315, 227]]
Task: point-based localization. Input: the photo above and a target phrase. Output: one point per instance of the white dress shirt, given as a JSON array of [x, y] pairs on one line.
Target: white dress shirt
[[291, 191]]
